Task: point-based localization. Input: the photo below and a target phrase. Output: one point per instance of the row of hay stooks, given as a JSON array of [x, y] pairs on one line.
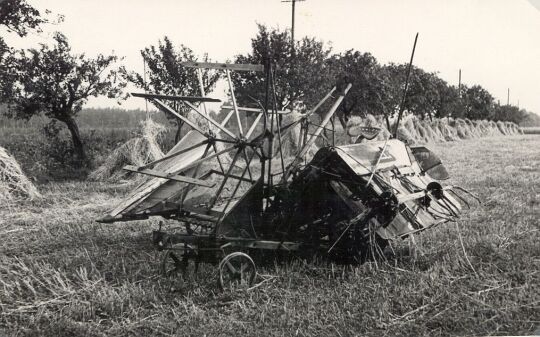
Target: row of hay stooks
[[414, 130], [14, 184]]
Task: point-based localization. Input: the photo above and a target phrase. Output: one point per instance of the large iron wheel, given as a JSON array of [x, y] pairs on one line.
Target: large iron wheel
[[236, 271]]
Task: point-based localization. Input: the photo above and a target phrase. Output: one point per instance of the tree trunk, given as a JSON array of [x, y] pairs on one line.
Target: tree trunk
[[76, 138]]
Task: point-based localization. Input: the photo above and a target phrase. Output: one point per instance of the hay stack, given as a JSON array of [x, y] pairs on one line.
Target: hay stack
[[447, 130], [463, 129], [136, 151], [502, 128], [13, 183]]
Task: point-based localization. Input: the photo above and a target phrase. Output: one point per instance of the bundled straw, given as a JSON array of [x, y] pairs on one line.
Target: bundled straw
[[13, 183], [414, 130], [136, 151]]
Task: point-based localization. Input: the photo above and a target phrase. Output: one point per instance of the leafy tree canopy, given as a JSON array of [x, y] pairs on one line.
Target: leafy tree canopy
[[301, 74], [56, 82], [370, 88], [167, 76]]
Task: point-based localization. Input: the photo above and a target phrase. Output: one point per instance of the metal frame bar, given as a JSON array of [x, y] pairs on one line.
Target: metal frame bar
[[316, 134], [176, 98], [220, 189], [186, 191], [228, 107], [164, 107], [195, 163], [235, 106], [175, 177], [210, 119], [223, 66], [164, 158], [234, 193]]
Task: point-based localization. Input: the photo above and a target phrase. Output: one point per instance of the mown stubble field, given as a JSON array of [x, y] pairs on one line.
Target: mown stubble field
[[62, 274]]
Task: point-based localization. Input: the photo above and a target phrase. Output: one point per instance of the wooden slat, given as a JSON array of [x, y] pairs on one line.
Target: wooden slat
[[176, 98], [233, 176], [175, 177], [230, 66], [167, 109], [228, 107]]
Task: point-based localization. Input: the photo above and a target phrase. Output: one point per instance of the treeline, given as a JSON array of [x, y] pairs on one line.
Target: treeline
[[53, 82], [377, 89]]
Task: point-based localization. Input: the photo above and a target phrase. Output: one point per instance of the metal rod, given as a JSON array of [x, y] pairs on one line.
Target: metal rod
[[316, 134], [210, 119], [377, 162], [279, 120], [218, 193], [207, 158], [321, 102], [265, 127], [247, 164], [201, 87], [402, 107], [254, 125], [196, 171], [235, 106], [164, 107], [173, 155], [234, 192], [218, 159]]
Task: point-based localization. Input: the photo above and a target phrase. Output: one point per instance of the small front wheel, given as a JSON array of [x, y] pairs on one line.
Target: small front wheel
[[172, 264], [236, 271]]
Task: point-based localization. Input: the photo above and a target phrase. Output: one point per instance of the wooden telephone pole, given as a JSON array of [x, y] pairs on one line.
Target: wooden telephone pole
[[293, 51], [293, 4]]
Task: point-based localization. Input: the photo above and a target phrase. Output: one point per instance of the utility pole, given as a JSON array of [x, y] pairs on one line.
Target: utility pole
[[293, 4], [459, 84], [293, 51], [508, 97]]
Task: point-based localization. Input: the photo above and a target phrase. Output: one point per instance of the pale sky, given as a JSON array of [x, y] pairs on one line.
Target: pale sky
[[496, 43]]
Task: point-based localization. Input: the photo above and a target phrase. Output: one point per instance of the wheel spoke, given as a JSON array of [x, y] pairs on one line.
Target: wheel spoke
[[231, 267], [175, 259], [237, 270]]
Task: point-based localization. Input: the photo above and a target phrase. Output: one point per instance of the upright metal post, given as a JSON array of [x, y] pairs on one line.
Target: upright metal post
[[402, 107]]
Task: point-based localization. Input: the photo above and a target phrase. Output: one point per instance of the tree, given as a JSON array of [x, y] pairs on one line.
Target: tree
[[300, 77], [449, 102], [369, 85], [423, 96], [19, 17], [508, 113], [478, 102], [57, 83], [168, 77]]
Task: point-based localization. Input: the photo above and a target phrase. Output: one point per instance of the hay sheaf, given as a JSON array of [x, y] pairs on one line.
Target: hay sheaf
[[136, 151], [14, 184], [415, 130]]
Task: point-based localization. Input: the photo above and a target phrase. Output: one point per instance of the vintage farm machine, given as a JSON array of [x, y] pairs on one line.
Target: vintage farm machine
[[234, 189]]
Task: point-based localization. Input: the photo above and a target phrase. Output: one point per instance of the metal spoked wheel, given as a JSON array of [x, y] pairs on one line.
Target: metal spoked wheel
[[172, 264], [236, 271], [175, 262]]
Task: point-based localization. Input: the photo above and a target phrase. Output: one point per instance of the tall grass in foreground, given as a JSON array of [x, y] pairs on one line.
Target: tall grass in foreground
[[62, 274]]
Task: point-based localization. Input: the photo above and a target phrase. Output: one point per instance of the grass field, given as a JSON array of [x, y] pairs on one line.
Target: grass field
[[62, 274]]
